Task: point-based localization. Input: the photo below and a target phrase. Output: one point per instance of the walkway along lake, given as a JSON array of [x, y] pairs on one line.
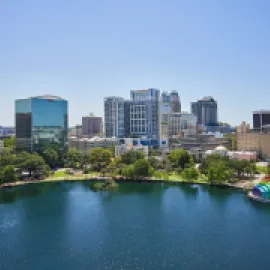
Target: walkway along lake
[[65, 225]]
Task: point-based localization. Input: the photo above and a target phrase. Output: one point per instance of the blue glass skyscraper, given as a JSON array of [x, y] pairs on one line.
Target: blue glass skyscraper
[[41, 122]]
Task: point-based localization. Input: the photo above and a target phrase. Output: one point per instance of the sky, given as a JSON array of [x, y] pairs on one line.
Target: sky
[[85, 50]]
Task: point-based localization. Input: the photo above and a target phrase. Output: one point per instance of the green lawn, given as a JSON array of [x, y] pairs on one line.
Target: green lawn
[[63, 174], [59, 174], [261, 169]]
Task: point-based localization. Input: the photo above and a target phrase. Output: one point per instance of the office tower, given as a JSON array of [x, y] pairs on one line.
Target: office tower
[[175, 102], [91, 126], [206, 111], [144, 113], [114, 117], [182, 124], [261, 119], [165, 112], [41, 122]]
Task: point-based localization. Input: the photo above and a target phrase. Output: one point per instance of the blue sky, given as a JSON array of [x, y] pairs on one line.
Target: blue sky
[[86, 50]]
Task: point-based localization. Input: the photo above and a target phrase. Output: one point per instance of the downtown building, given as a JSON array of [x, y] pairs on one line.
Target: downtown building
[[41, 122], [91, 126], [170, 113], [138, 117], [206, 111], [114, 117], [261, 120]]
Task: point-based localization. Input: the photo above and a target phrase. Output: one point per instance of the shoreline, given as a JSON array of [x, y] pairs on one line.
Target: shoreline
[[100, 178]]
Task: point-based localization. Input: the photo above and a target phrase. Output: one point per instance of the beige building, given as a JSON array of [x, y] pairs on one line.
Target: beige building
[[247, 140]]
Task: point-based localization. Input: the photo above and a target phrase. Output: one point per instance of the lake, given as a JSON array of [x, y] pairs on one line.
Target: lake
[[140, 226]]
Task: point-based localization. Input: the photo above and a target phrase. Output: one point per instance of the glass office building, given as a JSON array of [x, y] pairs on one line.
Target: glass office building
[[41, 122]]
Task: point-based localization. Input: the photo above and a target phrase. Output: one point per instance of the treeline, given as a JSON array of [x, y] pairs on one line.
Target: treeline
[[220, 169], [215, 169]]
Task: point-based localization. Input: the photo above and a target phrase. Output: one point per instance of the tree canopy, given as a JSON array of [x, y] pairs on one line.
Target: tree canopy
[[180, 158], [74, 158], [100, 158], [140, 169], [130, 157], [51, 157]]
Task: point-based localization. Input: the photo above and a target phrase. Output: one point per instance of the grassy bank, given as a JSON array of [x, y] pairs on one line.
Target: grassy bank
[[173, 178]]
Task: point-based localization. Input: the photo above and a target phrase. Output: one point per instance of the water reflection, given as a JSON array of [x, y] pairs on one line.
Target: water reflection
[[189, 190], [11, 194]]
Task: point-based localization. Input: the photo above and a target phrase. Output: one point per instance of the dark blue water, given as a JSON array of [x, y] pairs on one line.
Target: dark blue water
[[141, 226]]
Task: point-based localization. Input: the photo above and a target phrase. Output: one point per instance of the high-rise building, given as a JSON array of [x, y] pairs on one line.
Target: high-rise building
[[182, 124], [175, 102], [41, 122], [144, 113], [114, 117], [165, 112], [261, 119], [206, 111], [91, 126]]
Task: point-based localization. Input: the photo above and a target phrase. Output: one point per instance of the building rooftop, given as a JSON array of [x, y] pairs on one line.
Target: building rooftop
[[207, 98], [261, 111], [94, 139], [48, 97]]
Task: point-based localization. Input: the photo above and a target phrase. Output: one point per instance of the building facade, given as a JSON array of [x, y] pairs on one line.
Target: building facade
[[261, 119], [206, 111], [86, 145], [41, 122], [143, 114], [114, 117], [91, 126], [182, 125], [165, 112], [175, 102]]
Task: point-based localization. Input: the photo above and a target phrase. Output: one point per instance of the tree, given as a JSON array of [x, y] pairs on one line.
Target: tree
[[190, 174], [180, 158], [140, 169], [155, 163], [219, 174], [35, 166], [100, 158], [8, 174], [10, 142], [6, 158], [131, 156], [212, 160], [74, 159], [51, 157]]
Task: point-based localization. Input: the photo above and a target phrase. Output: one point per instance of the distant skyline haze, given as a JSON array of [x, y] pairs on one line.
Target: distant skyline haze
[[86, 50]]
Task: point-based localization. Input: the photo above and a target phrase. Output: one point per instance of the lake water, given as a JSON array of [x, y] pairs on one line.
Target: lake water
[[140, 226]]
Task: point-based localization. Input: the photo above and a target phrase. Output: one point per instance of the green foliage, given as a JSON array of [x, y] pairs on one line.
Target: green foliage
[[100, 158], [108, 185], [10, 142], [219, 174], [6, 158], [155, 163], [8, 174], [35, 166], [190, 174], [158, 175], [140, 169], [221, 169], [74, 159], [180, 158], [51, 157], [130, 157]]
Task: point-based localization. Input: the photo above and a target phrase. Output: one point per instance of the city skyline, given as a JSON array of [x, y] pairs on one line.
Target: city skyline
[[84, 51]]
